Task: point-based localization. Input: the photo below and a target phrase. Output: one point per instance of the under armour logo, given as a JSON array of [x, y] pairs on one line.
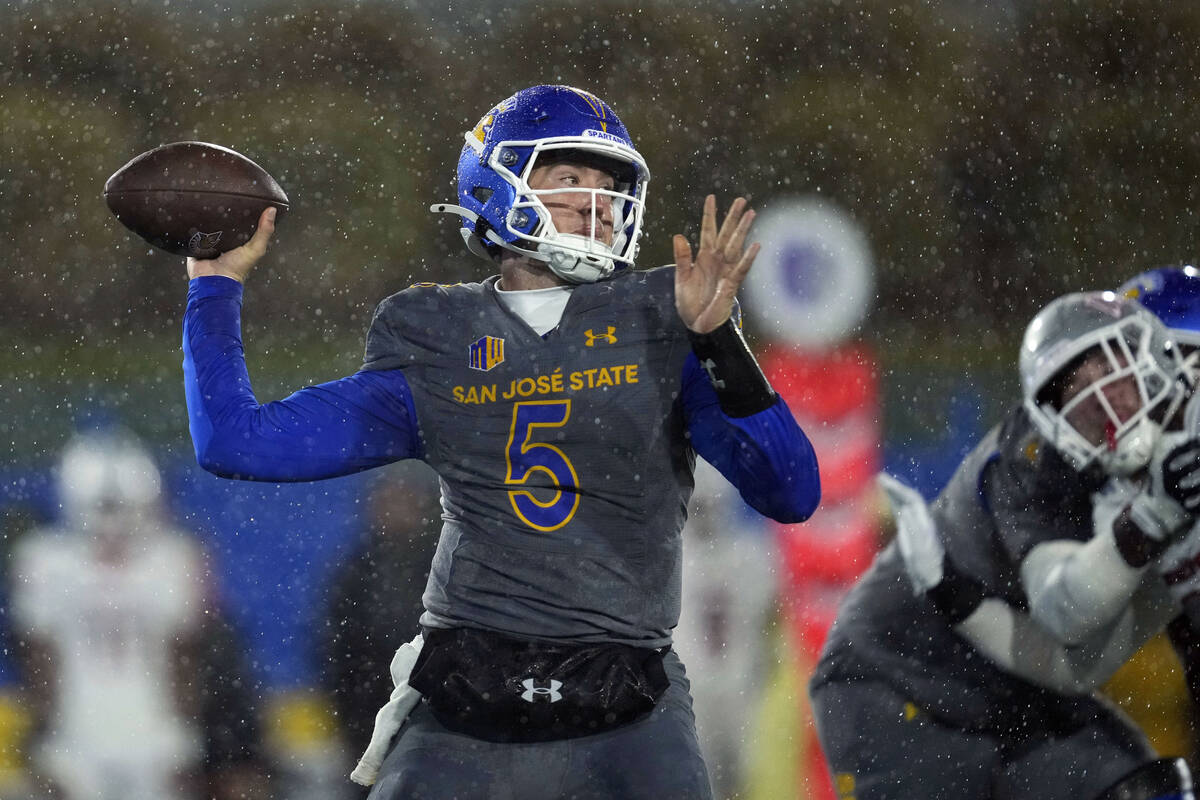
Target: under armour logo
[[710, 367], [549, 693], [608, 337]]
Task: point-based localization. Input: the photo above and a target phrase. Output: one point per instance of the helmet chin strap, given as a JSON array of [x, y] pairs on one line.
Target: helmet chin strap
[[583, 260], [1133, 450]]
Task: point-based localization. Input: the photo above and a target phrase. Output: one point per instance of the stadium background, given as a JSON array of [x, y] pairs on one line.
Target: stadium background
[[996, 154]]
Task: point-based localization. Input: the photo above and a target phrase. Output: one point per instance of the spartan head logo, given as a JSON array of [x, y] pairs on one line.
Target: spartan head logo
[[545, 694], [204, 244]]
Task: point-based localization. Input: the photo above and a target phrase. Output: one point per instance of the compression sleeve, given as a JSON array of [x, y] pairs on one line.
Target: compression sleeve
[[336, 428], [1074, 588], [1016, 642], [765, 455]]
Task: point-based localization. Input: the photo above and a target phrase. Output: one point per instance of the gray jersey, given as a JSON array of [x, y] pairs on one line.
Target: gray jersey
[[564, 464], [1012, 492]]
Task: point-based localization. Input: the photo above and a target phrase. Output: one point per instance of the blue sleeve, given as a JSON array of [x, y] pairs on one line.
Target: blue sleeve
[[361, 421], [765, 455]]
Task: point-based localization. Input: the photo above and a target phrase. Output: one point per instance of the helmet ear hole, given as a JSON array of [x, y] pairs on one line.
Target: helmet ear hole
[[482, 194]]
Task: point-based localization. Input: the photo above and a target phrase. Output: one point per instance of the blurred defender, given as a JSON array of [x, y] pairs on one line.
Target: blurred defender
[[105, 601], [1062, 513]]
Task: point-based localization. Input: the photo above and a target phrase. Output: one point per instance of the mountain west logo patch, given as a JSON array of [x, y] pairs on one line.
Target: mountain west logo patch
[[485, 352]]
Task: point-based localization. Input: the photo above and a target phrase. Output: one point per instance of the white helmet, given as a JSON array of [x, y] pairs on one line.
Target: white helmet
[[1135, 344], [105, 471]]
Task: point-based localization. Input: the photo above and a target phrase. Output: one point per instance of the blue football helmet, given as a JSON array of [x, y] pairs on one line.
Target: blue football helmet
[[500, 210], [1173, 295]]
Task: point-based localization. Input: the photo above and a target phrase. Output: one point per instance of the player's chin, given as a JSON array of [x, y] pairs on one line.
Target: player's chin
[[605, 237]]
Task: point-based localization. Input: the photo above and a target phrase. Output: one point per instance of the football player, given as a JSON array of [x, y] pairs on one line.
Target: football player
[[940, 692], [105, 600], [1007, 634], [1173, 295], [562, 401]]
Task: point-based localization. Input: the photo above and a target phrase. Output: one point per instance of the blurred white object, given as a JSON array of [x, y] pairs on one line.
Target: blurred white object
[[392, 715], [916, 535], [107, 473], [813, 279], [729, 590], [106, 608]]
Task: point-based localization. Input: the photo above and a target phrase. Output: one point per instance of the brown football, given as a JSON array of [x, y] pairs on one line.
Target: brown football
[[193, 198]]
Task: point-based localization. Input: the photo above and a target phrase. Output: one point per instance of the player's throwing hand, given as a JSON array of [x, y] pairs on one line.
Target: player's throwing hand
[[238, 262]]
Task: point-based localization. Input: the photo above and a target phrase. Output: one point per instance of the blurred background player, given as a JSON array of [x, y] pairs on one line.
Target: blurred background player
[[1041, 517], [374, 597], [1149, 683], [730, 589], [107, 603], [808, 296], [137, 684]]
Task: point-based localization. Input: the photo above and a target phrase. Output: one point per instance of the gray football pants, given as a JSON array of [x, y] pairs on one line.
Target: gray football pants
[[655, 758], [881, 747]]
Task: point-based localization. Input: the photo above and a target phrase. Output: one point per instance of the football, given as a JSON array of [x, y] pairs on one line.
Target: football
[[193, 198]]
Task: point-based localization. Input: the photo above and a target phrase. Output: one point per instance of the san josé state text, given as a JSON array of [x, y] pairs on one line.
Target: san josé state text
[[555, 382]]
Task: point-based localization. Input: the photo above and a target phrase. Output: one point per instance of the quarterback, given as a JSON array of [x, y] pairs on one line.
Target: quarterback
[[562, 402]]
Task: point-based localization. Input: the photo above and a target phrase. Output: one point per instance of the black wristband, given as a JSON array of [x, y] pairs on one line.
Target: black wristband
[[742, 389], [957, 595]]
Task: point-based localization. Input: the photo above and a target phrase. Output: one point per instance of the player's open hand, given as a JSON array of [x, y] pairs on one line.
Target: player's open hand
[[238, 262], [706, 286]]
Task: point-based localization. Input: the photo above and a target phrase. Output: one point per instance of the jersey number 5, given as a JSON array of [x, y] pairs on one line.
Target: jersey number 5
[[525, 458]]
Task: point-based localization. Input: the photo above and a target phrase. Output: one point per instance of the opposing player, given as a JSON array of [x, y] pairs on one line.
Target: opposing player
[[1042, 517], [104, 601], [1173, 295], [1007, 634], [562, 402]]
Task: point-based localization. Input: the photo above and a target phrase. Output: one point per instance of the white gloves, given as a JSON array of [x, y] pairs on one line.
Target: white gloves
[[916, 535], [1165, 509]]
